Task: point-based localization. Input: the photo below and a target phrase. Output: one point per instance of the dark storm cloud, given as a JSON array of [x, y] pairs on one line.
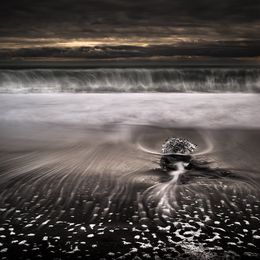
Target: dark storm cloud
[[92, 17], [35, 26]]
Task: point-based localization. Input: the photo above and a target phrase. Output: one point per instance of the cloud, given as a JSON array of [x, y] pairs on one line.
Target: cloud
[[219, 49], [80, 18], [38, 27]]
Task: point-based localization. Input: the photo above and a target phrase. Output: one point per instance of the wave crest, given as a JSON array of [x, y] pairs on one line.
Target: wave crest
[[130, 80]]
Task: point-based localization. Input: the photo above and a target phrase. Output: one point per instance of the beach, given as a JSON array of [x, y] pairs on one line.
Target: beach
[[81, 176]]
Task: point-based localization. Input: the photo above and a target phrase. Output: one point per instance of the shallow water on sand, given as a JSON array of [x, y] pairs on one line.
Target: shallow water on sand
[[74, 192]]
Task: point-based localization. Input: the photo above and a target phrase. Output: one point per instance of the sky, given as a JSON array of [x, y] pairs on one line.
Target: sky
[[115, 29]]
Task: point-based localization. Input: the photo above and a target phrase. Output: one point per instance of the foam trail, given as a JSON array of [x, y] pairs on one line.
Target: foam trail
[[164, 194]]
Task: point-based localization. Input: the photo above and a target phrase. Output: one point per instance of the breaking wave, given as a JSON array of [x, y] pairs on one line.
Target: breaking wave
[[130, 80]]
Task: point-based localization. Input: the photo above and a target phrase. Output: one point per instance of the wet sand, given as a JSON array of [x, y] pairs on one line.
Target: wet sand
[[73, 190]]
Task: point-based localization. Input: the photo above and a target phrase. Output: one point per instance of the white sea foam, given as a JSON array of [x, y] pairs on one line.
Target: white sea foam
[[175, 109]]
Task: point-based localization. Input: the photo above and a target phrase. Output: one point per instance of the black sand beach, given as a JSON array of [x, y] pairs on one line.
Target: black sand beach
[[80, 190]]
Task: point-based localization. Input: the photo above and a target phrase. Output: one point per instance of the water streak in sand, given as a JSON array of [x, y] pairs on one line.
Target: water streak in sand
[[102, 186], [201, 180], [164, 194], [113, 171]]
